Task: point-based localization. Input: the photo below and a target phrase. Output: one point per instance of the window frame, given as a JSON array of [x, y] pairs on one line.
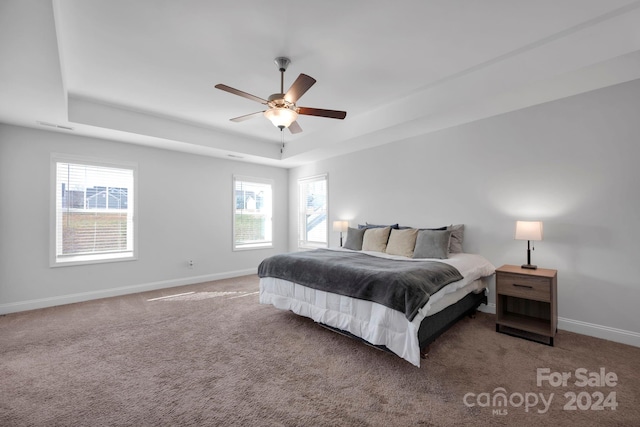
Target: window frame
[[98, 258], [256, 180], [304, 243]]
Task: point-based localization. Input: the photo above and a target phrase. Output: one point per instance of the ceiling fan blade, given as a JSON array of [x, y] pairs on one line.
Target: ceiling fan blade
[[247, 116], [295, 128], [299, 87], [332, 114], [241, 93]]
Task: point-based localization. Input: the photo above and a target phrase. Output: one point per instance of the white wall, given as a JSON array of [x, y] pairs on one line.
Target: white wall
[[572, 163], [184, 212]]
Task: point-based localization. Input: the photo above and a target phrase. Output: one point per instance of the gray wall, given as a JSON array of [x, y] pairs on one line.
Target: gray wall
[[572, 163], [196, 225]]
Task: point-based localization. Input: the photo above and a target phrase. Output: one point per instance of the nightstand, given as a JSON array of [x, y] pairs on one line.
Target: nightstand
[[527, 303]]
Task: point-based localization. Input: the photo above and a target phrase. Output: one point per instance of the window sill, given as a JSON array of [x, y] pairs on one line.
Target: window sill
[[311, 246], [68, 261], [252, 248]]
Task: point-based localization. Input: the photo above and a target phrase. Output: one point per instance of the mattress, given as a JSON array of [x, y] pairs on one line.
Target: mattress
[[371, 321]]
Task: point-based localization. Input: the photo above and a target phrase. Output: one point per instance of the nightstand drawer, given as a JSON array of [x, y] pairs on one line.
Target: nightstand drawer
[[528, 287]]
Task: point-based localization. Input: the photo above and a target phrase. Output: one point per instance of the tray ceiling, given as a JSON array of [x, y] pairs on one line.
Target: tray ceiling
[[144, 72]]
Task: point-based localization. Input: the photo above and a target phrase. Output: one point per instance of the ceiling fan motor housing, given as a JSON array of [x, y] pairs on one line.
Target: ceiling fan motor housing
[[277, 100]]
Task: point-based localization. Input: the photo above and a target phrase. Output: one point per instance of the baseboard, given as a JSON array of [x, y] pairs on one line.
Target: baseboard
[[599, 331], [15, 307], [585, 328]]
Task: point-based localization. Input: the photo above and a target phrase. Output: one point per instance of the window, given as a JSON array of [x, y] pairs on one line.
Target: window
[[94, 211], [252, 211], [312, 223]]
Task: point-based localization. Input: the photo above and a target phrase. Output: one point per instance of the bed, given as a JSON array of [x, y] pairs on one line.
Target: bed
[[291, 282]]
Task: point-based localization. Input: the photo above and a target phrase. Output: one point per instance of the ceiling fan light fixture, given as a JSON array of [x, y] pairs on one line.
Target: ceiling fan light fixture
[[281, 117], [281, 107]]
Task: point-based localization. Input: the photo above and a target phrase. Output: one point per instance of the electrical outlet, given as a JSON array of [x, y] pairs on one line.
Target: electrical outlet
[[190, 263]]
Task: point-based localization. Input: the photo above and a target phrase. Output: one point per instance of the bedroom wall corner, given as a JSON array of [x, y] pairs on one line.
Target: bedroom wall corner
[[184, 213], [571, 163]]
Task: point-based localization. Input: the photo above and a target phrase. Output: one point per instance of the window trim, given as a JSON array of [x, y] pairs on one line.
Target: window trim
[[72, 260], [305, 244], [247, 178]]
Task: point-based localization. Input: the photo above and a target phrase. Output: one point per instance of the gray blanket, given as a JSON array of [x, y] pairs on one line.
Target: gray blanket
[[405, 286]]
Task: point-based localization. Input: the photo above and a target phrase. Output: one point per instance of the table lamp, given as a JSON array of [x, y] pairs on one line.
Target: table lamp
[[340, 226], [529, 230]]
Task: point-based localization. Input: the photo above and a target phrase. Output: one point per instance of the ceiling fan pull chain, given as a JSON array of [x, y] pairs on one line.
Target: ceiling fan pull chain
[[282, 139]]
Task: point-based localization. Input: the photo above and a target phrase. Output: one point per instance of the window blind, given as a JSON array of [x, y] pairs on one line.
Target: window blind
[[252, 216], [94, 211]]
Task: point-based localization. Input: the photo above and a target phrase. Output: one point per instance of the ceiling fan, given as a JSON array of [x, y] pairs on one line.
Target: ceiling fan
[[283, 111]]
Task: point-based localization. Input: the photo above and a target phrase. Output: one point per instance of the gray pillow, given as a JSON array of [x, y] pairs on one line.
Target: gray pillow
[[457, 233], [432, 244], [367, 225], [354, 239]]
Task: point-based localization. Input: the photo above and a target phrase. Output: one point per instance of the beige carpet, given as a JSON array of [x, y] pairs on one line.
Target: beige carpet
[[217, 357]]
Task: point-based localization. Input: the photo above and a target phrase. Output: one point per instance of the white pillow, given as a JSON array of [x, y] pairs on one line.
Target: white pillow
[[375, 239], [402, 242]]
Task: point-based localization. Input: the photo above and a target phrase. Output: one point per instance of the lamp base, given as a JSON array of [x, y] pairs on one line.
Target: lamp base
[[529, 266]]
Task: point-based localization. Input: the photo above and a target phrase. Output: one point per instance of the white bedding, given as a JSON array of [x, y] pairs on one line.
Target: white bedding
[[371, 321]]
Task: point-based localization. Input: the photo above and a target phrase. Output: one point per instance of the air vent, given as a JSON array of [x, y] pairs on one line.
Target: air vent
[[235, 156], [53, 125], [46, 124]]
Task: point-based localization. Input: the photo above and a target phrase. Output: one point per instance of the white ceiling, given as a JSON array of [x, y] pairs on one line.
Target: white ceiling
[[144, 71]]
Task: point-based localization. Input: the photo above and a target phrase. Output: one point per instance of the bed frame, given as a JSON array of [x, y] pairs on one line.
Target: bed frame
[[433, 326]]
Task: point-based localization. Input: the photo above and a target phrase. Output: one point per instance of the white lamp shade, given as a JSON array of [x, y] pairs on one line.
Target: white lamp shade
[[528, 230], [281, 117], [340, 226]]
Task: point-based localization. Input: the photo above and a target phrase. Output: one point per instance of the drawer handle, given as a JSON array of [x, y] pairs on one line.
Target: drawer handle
[[523, 286]]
